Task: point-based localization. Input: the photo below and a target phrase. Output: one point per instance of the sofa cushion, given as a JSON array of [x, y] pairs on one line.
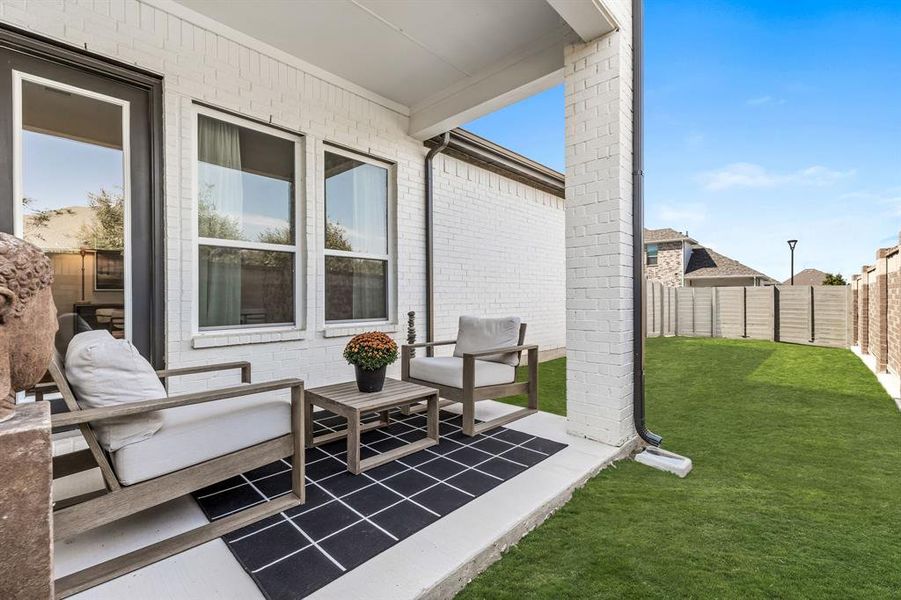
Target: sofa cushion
[[193, 434], [448, 370], [104, 371], [475, 334]]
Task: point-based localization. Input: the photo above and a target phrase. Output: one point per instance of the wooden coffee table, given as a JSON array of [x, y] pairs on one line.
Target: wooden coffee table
[[346, 400]]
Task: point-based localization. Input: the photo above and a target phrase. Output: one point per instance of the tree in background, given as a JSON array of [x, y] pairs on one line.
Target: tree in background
[[834, 279], [107, 230]]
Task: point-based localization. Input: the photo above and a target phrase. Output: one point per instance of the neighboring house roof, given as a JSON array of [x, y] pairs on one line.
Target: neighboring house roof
[[656, 236], [808, 277], [706, 262]]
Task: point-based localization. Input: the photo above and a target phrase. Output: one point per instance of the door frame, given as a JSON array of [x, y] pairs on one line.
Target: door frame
[[40, 47]]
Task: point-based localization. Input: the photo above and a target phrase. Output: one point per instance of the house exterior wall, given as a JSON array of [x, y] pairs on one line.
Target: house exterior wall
[[199, 64], [499, 251], [670, 265], [599, 241]]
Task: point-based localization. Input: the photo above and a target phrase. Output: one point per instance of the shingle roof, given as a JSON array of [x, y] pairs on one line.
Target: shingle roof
[[808, 277], [654, 236], [706, 262]]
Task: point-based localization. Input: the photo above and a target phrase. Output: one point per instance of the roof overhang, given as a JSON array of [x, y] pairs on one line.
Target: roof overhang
[[667, 241], [441, 63]]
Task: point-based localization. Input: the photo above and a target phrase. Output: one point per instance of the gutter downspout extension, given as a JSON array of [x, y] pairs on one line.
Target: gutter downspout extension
[[639, 299], [430, 243]]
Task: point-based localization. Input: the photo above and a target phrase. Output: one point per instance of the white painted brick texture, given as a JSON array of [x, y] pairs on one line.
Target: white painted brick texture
[[499, 251], [198, 64], [598, 81]]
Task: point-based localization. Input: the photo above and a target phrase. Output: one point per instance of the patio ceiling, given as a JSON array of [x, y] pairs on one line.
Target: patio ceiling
[[441, 62]]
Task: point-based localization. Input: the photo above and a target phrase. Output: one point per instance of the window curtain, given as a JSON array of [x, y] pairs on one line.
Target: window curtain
[[221, 213], [371, 225]]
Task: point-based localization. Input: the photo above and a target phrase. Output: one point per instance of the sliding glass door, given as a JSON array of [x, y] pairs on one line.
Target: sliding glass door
[[80, 186]]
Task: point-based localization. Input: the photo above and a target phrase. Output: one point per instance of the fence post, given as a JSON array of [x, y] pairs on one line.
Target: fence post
[[713, 297], [810, 317], [744, 312], [775, 309]]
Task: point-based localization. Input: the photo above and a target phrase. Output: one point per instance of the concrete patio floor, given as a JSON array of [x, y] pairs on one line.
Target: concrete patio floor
[[434, 562]]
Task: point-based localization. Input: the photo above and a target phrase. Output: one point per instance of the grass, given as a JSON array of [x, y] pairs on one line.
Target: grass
[[795, 493]]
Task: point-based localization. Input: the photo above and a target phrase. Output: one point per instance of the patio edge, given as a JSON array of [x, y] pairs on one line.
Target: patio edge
[[455, 581]]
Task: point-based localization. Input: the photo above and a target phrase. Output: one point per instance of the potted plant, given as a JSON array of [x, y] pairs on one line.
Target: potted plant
[[370, 353]]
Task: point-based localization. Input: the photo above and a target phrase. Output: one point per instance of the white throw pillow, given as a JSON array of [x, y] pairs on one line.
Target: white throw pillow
[[475, 334], [104, 371]]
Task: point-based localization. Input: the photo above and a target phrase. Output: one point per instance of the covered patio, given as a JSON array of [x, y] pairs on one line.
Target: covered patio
[[342, 84]]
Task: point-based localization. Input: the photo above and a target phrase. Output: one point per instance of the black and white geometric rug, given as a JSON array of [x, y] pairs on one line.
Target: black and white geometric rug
[[347, 519]]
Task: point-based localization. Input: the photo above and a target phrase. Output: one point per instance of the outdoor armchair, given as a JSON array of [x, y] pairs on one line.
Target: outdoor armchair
[[483, 367], [202, 438]]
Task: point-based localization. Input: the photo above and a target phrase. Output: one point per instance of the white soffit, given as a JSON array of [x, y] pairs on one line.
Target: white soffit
[[442, 62]]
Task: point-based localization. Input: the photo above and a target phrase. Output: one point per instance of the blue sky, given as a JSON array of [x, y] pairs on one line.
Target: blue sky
[[765, 121]]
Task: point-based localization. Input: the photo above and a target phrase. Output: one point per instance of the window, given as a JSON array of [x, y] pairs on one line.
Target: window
[[357, 245], [652, 255], [246, 224]]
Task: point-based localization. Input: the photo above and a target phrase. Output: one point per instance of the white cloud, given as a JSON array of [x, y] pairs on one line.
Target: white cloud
[[676, 215], [889, 198], [755, 176], [764, 101]]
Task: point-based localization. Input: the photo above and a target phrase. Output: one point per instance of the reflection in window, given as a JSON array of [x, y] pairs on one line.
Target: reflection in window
[[73, 203], [245, 287], [245, 182], [245, 211], [355, 289], [356, 239]]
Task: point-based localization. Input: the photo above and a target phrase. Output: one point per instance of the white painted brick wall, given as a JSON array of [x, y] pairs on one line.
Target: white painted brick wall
[[199, 64], [499, 251], [598, 81]]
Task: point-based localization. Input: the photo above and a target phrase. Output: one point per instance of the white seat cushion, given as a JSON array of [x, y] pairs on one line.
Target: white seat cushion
[[104, 371], [475, 335], [193, 434], [448, 370]]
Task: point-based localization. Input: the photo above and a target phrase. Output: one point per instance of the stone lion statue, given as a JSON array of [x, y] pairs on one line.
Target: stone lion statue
[[27, 318]]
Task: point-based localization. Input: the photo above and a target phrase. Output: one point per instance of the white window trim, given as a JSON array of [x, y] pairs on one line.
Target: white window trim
[[18, 210], [359, 325], [299, 232]]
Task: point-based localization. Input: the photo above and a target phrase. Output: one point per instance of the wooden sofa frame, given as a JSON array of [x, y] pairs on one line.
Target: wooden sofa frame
[[77, 515], [469, 394]]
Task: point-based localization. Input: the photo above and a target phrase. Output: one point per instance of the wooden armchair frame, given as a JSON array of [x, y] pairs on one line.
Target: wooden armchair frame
[[86, 512], [469, 394]]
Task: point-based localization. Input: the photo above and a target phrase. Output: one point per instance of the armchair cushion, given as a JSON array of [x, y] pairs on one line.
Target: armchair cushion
[[194, 434], [104, 371], [448, 370], [475, 334]]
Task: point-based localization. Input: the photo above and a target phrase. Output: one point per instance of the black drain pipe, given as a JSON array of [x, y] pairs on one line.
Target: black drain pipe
[[639, 300], [430, 243]]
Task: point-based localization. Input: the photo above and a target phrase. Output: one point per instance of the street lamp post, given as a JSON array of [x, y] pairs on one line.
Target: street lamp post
[[792, 244]]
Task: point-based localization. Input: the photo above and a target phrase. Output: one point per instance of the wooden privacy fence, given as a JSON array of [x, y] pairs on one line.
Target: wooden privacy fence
[[800, 314]]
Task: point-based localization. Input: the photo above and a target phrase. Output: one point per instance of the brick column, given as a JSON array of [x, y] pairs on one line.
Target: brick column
[[863, 310], [855, 308], [893, 318], [879, 312], [598, 81]]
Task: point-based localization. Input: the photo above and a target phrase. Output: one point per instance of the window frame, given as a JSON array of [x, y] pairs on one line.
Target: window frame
[[648, 255], [297, 249], [390, 258]]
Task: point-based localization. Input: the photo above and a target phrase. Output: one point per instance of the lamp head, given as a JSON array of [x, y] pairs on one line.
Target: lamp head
[[792, 243]]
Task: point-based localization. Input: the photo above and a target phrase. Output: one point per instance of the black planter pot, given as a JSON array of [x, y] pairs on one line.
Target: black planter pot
[[370, 381]]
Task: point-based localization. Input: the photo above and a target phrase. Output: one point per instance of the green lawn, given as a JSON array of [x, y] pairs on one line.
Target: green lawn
[[795, 493]]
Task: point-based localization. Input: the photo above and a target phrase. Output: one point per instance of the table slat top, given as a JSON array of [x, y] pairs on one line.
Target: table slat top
[[346, 394]]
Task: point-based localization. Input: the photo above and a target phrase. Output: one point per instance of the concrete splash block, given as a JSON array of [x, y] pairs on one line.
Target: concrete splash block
[[664, 460]]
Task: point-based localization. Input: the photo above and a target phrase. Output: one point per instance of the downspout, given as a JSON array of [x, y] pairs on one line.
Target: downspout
[[430, 243], [638, 290]]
